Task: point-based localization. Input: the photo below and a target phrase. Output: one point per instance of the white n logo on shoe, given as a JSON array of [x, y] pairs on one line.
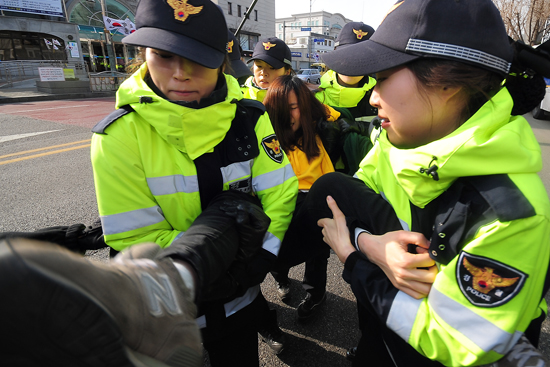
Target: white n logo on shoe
[[158, 294]]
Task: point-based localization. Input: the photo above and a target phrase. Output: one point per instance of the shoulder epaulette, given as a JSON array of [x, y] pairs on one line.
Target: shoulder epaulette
[[100, 127], [251, 103], [504, 197]]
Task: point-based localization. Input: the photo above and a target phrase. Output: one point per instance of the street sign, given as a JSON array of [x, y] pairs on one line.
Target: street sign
[[318, 40], [296, 54], [305, 29]]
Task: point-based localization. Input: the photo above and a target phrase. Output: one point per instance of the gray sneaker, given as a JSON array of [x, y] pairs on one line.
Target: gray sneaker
[[523, 354], [60, 309]]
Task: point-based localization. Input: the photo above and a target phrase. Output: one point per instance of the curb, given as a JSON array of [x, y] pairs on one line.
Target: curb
[[54, 97]]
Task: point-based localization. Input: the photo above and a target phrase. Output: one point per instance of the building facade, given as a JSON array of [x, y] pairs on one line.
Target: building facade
[[309, 35], [76, 33]]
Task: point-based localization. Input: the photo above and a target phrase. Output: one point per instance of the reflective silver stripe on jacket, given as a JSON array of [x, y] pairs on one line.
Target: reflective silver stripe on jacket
[[479, 330], [486, 335], [402, 314], [272, 179], [167, 185], [271, 243], [236, 171], [128, 221]]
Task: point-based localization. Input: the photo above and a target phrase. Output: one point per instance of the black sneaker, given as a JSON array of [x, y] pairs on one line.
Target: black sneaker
[[283, 290], [310, 306], [274, 337]]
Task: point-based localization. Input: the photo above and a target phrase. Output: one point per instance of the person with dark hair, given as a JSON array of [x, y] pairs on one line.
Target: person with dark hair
[[272, 58], [445, 230], [295, 115], [182, 143]]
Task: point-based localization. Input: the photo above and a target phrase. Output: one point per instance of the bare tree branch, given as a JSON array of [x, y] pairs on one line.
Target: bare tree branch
[[525, 20]]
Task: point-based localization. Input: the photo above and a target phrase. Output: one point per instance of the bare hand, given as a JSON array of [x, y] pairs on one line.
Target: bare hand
[[335, 231], [402, 268]]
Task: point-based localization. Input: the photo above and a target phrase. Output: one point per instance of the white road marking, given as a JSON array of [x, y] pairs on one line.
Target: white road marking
[[21, 136], [51, 108]]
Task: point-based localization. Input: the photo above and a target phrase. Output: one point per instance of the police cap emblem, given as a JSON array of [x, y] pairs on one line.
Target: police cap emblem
[[182, 10]]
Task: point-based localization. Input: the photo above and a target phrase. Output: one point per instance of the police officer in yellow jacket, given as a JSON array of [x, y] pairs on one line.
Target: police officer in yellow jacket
[[272, 58], [445, 233], [349, 92], [187, 166], [186, 136]]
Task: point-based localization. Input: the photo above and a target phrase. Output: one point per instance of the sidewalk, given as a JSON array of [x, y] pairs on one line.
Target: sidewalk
[[26, 91]]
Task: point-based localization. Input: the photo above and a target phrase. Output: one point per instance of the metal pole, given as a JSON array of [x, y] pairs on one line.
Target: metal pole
[[110, 45], [65, 8], [284, 31], [245, 17], [309, 38]]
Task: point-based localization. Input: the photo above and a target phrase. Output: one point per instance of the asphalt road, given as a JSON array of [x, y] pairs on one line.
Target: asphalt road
[[46, 180]]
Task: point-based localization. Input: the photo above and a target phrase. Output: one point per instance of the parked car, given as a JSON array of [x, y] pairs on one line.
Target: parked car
[[542, 111], [309, 75]]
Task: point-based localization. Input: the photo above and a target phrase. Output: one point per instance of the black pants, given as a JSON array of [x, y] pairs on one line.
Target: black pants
[[233, 341], [366, 209], [300, 245]]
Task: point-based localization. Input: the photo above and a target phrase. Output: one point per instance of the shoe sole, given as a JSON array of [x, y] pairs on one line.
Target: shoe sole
[[271, 348], [52, 322]]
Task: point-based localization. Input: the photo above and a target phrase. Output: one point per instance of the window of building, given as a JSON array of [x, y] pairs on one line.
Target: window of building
[[31, 46], [256, 15], [230, 8], [239, 11], [246, 12], [330, 43]]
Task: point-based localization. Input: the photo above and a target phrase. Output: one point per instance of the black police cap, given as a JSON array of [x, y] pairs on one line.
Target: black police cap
[[239, 68], [352, 33], [274, 51], [193, 29], [470, 31]]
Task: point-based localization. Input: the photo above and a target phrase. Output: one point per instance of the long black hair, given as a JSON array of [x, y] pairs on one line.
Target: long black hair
[[311, 111]]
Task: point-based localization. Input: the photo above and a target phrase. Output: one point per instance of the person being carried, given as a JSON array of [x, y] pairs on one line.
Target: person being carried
[[295, 114]]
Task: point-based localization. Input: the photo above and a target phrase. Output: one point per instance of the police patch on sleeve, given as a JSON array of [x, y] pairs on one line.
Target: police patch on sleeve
[[273, 148], [486, 282]]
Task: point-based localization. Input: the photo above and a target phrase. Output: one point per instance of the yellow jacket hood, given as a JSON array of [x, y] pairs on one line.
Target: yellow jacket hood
[[186, 134], [474, 149]]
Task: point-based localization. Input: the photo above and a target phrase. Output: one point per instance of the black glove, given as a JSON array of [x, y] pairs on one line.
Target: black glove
[[349, 126], [252, 224], [76, 237], [213, 241], [229, 285]]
